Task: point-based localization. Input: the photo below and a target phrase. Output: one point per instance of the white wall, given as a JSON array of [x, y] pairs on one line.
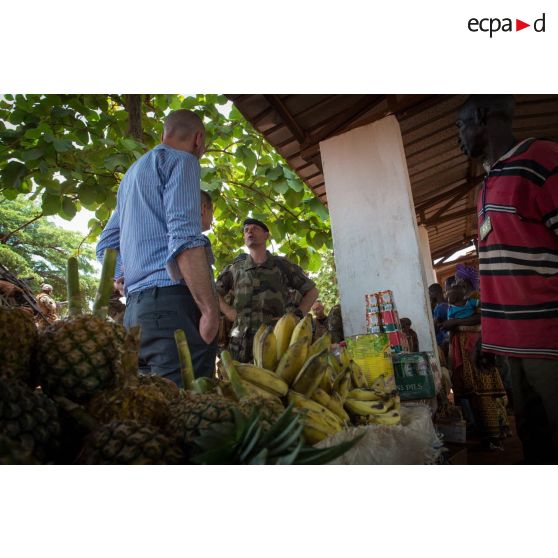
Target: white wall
[[374, 226], [426, 255]]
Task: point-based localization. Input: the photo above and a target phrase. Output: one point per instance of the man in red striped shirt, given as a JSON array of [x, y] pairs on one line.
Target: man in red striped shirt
[[518, 263]]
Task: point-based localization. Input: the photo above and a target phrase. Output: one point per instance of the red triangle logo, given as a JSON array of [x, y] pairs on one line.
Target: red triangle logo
[[519, 25]]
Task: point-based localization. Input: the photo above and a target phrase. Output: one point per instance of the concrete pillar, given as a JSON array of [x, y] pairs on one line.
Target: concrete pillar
[[426, 256], [374, 227]]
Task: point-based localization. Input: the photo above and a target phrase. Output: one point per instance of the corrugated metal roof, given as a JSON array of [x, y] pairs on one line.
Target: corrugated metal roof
[[443, 180]]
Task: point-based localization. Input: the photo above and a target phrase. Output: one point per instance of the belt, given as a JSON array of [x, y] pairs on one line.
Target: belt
[[159, 292]]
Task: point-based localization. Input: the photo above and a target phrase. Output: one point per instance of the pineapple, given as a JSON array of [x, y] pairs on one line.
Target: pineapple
[[14, 453], [247, 441], [129, 443], [29, 418], [142, 402], [18, 343], [82, 354], [167, 387]]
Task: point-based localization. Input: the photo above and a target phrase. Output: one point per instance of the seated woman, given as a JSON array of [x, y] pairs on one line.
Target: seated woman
[[481, 394]]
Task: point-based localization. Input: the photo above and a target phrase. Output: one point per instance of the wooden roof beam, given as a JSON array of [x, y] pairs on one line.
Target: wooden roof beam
[[450, 217], [287, 117]]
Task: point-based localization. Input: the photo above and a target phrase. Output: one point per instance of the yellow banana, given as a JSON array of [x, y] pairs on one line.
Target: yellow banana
[[313, 407], [390, 418], [292, 361], [335, 405], [311, 375], [253, 389], [357, 375], [283, 332], [344, 385], [314, 434], [268, 349], [327, 381], [344, 358], [396, 403], [303, 330], [365, 408], [324, 342], [334, 363], [256, 350], [365, 395], [321, 397], [263, 378], [379, 384], [332, 424]]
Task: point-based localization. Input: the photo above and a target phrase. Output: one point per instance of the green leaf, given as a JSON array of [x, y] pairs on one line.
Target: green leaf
[[317, 207], [69, 209], [61, 145], [87, 194], [296, 184], [280, 186], [293, 198], [12, 174], [51, 204], [32, 154], [274, 173], [102, 213]]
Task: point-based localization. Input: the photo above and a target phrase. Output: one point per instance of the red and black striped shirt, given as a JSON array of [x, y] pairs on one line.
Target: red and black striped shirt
[[519, 257]]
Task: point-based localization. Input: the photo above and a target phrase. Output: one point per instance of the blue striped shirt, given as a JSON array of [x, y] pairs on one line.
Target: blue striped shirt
[[157, 216]]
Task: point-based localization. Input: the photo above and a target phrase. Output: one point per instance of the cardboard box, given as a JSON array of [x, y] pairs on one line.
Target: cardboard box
[[413, 375]]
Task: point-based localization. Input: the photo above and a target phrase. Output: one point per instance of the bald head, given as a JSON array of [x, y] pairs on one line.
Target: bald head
[[485, 126], [496, 106], [184, 130]]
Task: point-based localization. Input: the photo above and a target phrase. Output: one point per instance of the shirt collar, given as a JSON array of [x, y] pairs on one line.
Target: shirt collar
[[250, 264], [510, 153]]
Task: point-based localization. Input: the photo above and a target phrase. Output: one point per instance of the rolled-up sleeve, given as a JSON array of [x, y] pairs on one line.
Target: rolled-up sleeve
[[110, 238], [181, 200]]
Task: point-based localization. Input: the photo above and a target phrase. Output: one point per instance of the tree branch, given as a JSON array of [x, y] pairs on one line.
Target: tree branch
[[6, 237]]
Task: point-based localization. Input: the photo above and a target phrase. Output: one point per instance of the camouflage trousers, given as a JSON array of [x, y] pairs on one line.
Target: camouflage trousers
[[240, 346]]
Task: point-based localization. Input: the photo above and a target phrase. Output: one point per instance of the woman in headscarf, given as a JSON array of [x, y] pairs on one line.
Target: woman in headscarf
[[481, 394]]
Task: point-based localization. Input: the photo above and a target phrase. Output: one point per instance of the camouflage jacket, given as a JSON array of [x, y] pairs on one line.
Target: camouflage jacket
[[335, 324], [262, 294]]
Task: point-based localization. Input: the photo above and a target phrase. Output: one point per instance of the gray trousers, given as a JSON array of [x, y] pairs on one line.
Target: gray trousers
[[160, 311], [535, 400]]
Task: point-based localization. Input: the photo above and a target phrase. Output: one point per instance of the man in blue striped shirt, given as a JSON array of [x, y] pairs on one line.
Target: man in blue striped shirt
[[156, 227]]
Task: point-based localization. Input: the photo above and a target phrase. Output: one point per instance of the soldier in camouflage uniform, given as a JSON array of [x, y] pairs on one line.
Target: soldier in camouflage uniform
[[262, 284], [335, 324]]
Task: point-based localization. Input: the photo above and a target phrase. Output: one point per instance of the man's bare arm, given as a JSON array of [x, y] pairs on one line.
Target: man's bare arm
[[196, 272]]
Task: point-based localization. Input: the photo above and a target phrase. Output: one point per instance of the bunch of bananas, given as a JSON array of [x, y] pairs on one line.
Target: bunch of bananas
[[331, 391]]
